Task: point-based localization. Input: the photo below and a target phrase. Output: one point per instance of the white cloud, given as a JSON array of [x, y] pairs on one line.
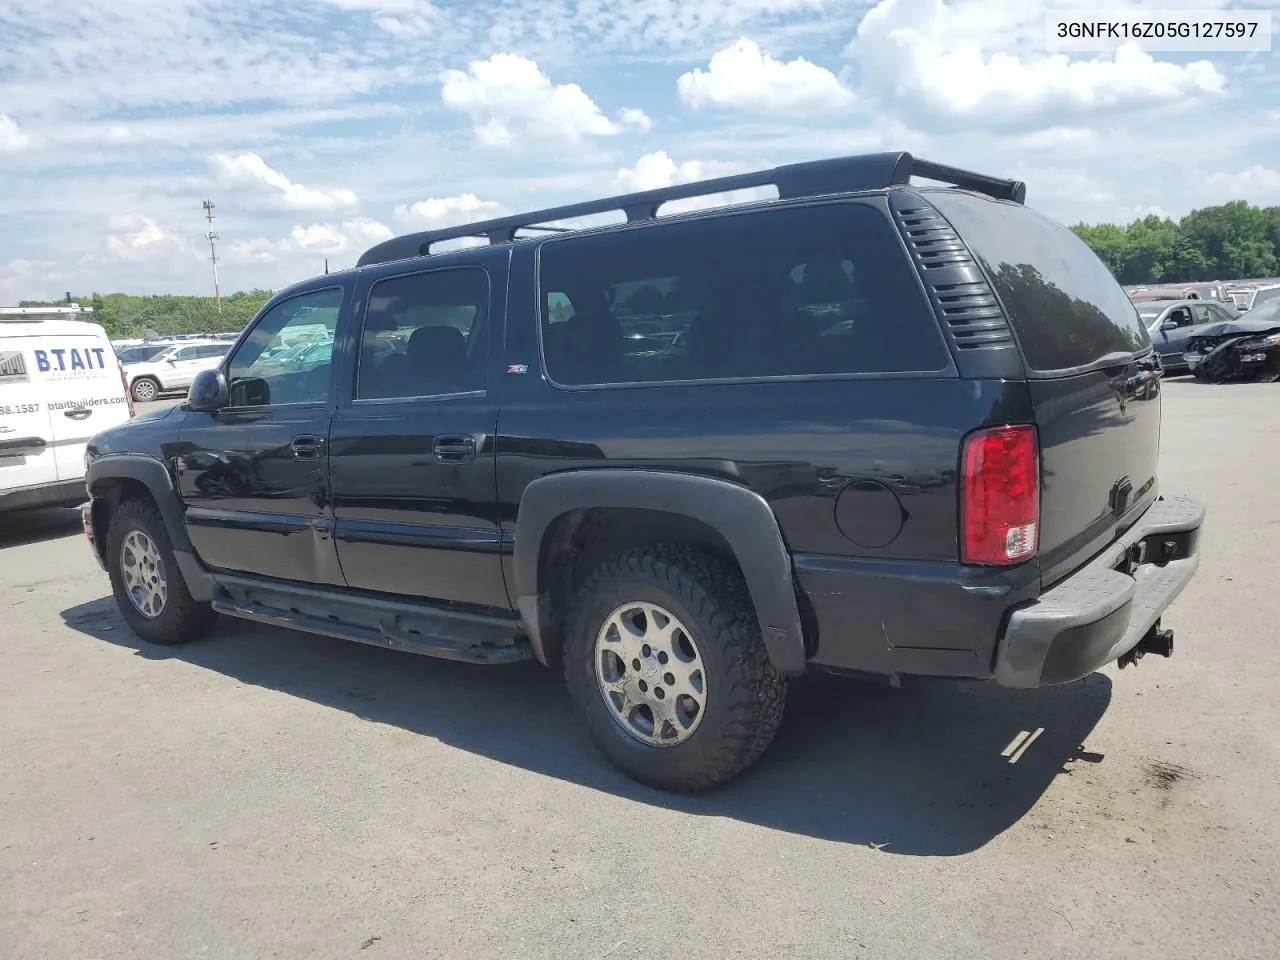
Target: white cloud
[[928, 57], [508, 96], [304, 252], [12, 138], [249, 169], [635, 119], [434, 213], [656, 170], [141, 242], [1061, 183], [743, 77], [1258, 184], [1054, 139]]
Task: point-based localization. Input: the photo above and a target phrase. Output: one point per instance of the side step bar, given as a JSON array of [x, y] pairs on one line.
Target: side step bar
[[461, 635]]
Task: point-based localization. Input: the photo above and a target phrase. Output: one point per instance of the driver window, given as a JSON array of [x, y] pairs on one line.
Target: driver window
[[1182, 316], [265, 369]]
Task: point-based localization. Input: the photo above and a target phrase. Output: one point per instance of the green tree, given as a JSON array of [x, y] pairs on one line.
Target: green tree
[[1227, 242]]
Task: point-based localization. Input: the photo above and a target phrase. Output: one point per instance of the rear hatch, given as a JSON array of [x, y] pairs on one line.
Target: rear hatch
[[1092, 375], [26, 440], [74, 379]]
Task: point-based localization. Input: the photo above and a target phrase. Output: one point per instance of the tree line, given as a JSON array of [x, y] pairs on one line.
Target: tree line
[[1234, 241], [125, 315]]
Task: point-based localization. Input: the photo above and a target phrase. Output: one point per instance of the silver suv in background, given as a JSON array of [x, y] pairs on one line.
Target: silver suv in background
[[169, 367]]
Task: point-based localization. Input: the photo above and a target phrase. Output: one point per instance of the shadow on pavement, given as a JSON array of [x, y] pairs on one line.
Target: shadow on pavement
[[23, 527], [916, 771]]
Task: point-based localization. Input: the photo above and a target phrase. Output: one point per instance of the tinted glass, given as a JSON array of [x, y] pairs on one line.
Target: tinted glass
[[425, 335], [139, 354], [257, 376], [1065, 306], [801, 291]]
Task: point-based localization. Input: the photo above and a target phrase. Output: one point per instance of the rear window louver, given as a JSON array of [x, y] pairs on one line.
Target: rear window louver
[[956, 285]]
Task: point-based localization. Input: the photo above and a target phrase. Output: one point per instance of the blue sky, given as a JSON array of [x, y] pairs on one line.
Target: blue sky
[[319, 127]]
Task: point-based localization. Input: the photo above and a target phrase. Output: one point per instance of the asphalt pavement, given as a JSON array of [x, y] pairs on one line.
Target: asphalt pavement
[[264, 793]]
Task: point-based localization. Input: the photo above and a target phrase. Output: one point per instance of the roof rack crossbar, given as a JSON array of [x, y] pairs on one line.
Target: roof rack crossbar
[[810, 179]]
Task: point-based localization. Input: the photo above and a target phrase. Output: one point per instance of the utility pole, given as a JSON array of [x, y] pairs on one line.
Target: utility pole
[[213, 252]]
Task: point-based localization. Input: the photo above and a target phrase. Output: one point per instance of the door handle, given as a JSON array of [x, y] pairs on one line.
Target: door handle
[[457, 448], [306, 447], [80, 413]]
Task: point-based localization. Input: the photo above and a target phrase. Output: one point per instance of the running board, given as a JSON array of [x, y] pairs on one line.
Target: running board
[[450, 634]]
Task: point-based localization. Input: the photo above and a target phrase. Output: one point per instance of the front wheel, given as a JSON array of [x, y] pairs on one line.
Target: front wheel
[[666, 663], [149, 589], [145, 389]]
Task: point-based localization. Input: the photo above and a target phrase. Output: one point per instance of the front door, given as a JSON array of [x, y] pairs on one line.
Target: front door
[[254, 474], [411, 447], [1170, 341]]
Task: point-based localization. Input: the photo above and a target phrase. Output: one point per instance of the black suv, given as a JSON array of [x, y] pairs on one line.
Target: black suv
[[869, 426]]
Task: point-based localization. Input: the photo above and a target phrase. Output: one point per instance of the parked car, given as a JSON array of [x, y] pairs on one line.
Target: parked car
[[1244, 349], [171, 367], [838, 466], [1259, 295], [60, 384], [1171, 322]]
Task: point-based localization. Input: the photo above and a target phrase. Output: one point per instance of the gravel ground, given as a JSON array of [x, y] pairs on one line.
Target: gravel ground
[[272, 794]]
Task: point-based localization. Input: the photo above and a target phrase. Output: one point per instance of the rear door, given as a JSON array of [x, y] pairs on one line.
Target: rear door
[[1091, 370], [26, 440], [412, 448], [1171, 342]]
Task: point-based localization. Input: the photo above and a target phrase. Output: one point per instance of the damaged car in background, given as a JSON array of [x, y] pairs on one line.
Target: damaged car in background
[[1244, 349]]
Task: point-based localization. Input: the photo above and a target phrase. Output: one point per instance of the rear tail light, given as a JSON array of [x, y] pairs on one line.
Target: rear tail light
[[1000, 496], [124, 382]]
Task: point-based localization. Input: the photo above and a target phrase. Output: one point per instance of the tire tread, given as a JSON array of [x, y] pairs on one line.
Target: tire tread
[[714, 591], [184, 618]]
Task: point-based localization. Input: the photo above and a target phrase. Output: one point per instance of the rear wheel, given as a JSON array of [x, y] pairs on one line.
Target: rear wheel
[[667, 666], [145, 389], [148, 586]]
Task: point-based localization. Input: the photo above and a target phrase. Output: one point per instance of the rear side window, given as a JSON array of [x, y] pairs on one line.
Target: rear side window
[[792, 292], [425, 335], [1066, 308]]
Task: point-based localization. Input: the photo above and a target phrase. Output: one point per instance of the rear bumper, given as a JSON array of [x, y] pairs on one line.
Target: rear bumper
[[63, 493], [1103, 610]]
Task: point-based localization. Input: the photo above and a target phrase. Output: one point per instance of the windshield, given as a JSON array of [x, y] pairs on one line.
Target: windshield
[[1149, 314]]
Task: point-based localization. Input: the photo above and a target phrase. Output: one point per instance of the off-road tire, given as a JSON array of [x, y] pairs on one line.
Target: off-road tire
[[151, 382], [746, 695], [182, 619]]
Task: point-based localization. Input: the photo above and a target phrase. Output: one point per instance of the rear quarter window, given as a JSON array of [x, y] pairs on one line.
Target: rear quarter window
[[819, 290], [1066, 308]]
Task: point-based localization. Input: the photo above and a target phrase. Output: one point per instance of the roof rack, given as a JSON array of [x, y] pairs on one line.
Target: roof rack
[[873, 171]]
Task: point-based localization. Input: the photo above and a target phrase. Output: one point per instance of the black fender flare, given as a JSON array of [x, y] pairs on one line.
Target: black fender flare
[[153, 475], [741, 516]]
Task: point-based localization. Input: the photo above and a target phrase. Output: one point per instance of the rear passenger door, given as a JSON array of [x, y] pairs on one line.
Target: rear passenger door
[[411, 448]]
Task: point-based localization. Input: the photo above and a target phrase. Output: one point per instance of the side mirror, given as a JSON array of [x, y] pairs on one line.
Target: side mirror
[[1169, 324], [208, 392]]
